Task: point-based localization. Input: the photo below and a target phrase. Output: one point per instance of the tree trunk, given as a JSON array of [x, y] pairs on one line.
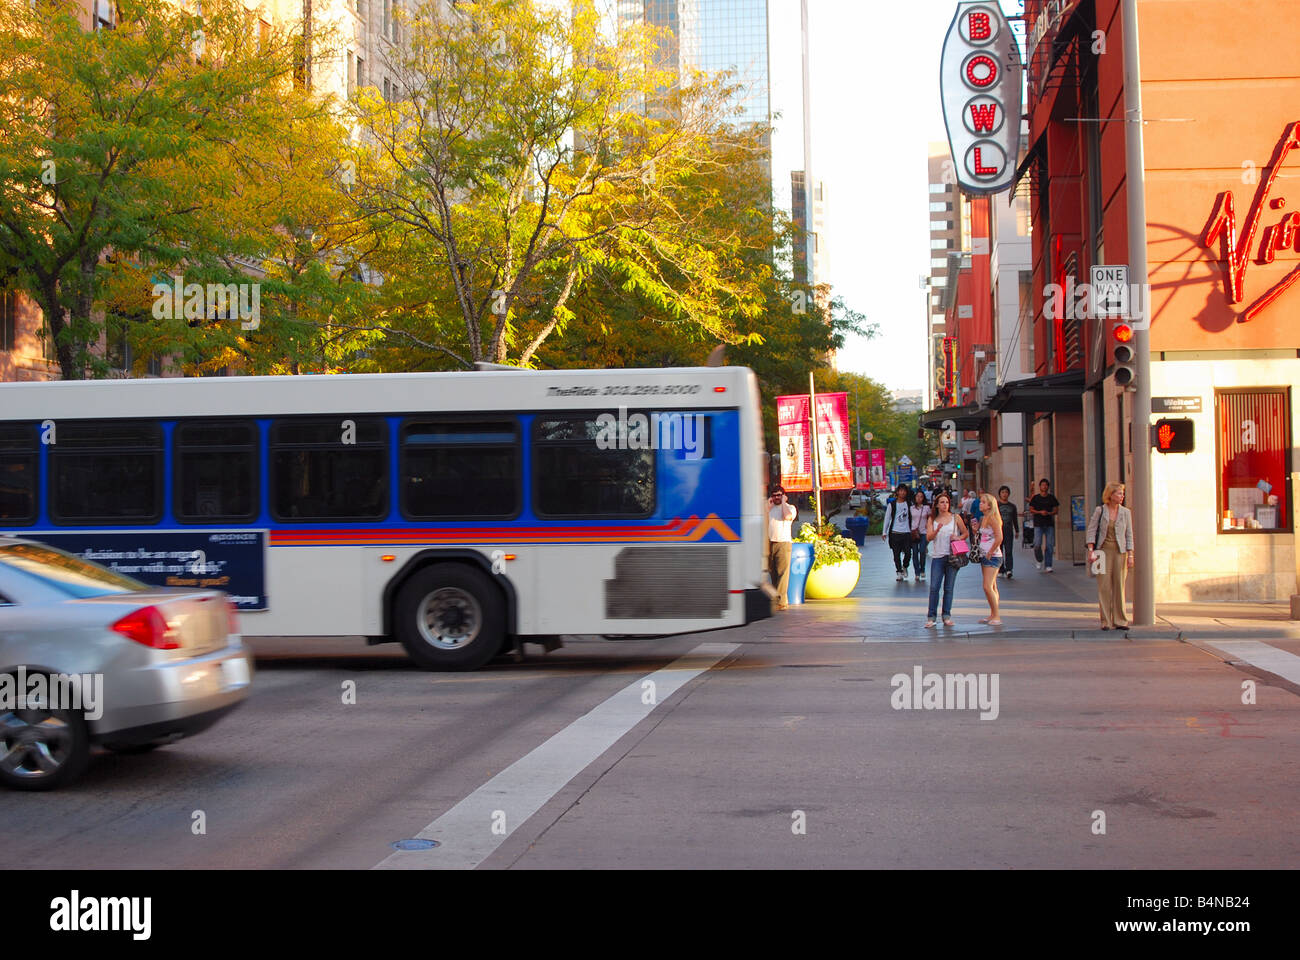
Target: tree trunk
[[47, 298], [306, 43], [546, 331]]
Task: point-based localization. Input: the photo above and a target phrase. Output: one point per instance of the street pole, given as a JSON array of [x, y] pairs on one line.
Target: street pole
[[857, 411], [1144, 574], [817, 452]]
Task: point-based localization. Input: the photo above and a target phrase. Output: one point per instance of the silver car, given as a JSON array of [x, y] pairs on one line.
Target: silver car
[[90, 656]]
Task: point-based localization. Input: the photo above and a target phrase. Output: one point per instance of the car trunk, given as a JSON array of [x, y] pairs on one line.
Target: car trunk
[[198, 620]]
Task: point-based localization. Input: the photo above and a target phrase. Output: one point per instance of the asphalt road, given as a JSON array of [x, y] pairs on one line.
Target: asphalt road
[[791, 727]]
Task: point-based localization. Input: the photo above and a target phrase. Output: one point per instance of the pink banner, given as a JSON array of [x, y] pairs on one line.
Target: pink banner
[[834, 447], [869, 469], [861, 470], [794, 442], [879, 481]]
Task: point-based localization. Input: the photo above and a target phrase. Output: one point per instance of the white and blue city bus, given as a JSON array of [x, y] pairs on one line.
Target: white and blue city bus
[[456, 513]]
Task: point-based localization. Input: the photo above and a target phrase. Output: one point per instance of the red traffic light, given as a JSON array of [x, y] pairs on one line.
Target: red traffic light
[[1122, 332]]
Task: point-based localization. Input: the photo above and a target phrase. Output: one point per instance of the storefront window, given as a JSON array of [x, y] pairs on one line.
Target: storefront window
[[1254, 450]]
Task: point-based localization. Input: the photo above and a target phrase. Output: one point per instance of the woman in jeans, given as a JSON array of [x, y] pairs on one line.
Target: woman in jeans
[[944, 527], [920, 524], [990, 530]]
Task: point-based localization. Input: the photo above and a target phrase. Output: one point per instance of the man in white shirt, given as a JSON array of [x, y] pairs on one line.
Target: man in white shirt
[[780, 515], [897, 530]]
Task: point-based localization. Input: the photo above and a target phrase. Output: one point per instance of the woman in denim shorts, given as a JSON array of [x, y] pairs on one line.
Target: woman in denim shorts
[[990, 532]]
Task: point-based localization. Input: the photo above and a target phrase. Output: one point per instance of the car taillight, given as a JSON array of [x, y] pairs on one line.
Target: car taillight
[[232, 619], [149, 627]]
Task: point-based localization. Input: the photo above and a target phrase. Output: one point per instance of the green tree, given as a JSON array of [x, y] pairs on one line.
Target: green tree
[[130, 154], [871, 404], [526, 156]]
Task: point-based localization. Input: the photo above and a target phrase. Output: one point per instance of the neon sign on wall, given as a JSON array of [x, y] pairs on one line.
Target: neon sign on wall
[[979, 80], [1277, 237]]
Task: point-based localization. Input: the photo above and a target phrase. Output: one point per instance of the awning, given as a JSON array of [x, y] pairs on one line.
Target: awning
[[969, 417], [1056, 393], [1036, 152]]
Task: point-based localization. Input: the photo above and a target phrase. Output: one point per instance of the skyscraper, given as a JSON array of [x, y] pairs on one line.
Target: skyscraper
[[763, 43], [714, 35]]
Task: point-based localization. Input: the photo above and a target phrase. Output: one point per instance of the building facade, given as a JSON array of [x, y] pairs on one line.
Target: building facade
[[1221, 101]]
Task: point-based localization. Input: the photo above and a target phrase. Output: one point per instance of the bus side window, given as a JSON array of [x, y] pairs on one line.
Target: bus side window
[[107, 471], [215, 471], [576, 476], [18, 465], [324, 470], [460, 469]]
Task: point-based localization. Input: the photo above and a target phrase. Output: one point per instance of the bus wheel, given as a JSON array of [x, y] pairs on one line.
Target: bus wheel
[[450, 617]]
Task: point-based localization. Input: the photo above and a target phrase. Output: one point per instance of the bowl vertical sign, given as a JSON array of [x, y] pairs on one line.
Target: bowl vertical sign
[[980, 85]]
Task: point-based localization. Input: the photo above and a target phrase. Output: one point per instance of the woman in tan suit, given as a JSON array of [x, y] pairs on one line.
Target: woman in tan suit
[[1111, 529]]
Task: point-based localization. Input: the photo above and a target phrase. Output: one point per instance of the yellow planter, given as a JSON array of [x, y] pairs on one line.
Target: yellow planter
[[834, 581]]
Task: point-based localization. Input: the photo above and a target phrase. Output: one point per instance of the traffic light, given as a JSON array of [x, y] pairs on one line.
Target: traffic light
[[1124, 354], [1175, 436]]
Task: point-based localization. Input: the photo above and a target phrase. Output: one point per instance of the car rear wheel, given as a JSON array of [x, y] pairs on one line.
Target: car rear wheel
[[450, 617], [41, 748]]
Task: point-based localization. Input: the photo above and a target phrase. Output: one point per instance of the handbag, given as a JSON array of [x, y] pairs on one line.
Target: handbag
[[959, 554]]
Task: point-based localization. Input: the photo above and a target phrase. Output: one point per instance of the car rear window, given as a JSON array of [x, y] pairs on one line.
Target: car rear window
[[71, 575]]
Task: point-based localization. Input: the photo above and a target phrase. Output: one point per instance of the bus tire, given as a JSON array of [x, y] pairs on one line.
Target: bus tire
[[450, 617]]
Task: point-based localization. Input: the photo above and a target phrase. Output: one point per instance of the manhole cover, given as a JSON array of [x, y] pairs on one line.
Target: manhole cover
[[415, 844]]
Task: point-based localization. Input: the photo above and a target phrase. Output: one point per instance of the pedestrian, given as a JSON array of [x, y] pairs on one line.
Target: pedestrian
[[1044, 508], [1111, 527], [781, 514], [976, 508], [944, 527], [920, 523], [1010, 529], [990, 540], [897, 530]]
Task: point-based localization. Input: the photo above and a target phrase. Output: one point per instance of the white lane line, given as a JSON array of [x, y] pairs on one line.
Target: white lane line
[[1261, 655], [473, 828]]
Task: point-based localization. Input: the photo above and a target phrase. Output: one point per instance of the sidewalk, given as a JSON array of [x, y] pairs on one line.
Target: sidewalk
[[1060, 605]]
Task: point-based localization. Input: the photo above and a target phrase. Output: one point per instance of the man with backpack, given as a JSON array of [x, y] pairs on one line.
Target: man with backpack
[[897, 530]]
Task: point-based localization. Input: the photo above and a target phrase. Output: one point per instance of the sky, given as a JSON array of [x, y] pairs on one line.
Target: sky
[[875, 109]]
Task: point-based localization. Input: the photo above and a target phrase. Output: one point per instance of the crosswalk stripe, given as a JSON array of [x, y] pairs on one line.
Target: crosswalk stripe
[[1262, 655], [471, 830]]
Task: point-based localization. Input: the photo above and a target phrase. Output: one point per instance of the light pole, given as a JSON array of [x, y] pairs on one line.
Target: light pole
[[1144, 575], [817, 452]]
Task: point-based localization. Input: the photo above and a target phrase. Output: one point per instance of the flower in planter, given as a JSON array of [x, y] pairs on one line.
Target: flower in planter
[[828, 549]]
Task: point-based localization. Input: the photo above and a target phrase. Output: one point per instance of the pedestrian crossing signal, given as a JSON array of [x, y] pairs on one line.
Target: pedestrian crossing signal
[[1175, 436]]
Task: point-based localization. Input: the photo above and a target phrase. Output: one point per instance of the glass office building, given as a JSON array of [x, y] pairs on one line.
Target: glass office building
[[715, 35]]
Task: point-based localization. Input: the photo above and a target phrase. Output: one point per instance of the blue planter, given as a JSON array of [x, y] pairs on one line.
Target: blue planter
[[801, 561], [857, 529]]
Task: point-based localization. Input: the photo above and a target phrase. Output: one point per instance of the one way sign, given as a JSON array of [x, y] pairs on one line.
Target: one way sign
[[1109, 291]]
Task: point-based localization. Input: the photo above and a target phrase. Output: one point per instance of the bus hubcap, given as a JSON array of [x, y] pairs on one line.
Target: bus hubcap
[[449, 618]]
